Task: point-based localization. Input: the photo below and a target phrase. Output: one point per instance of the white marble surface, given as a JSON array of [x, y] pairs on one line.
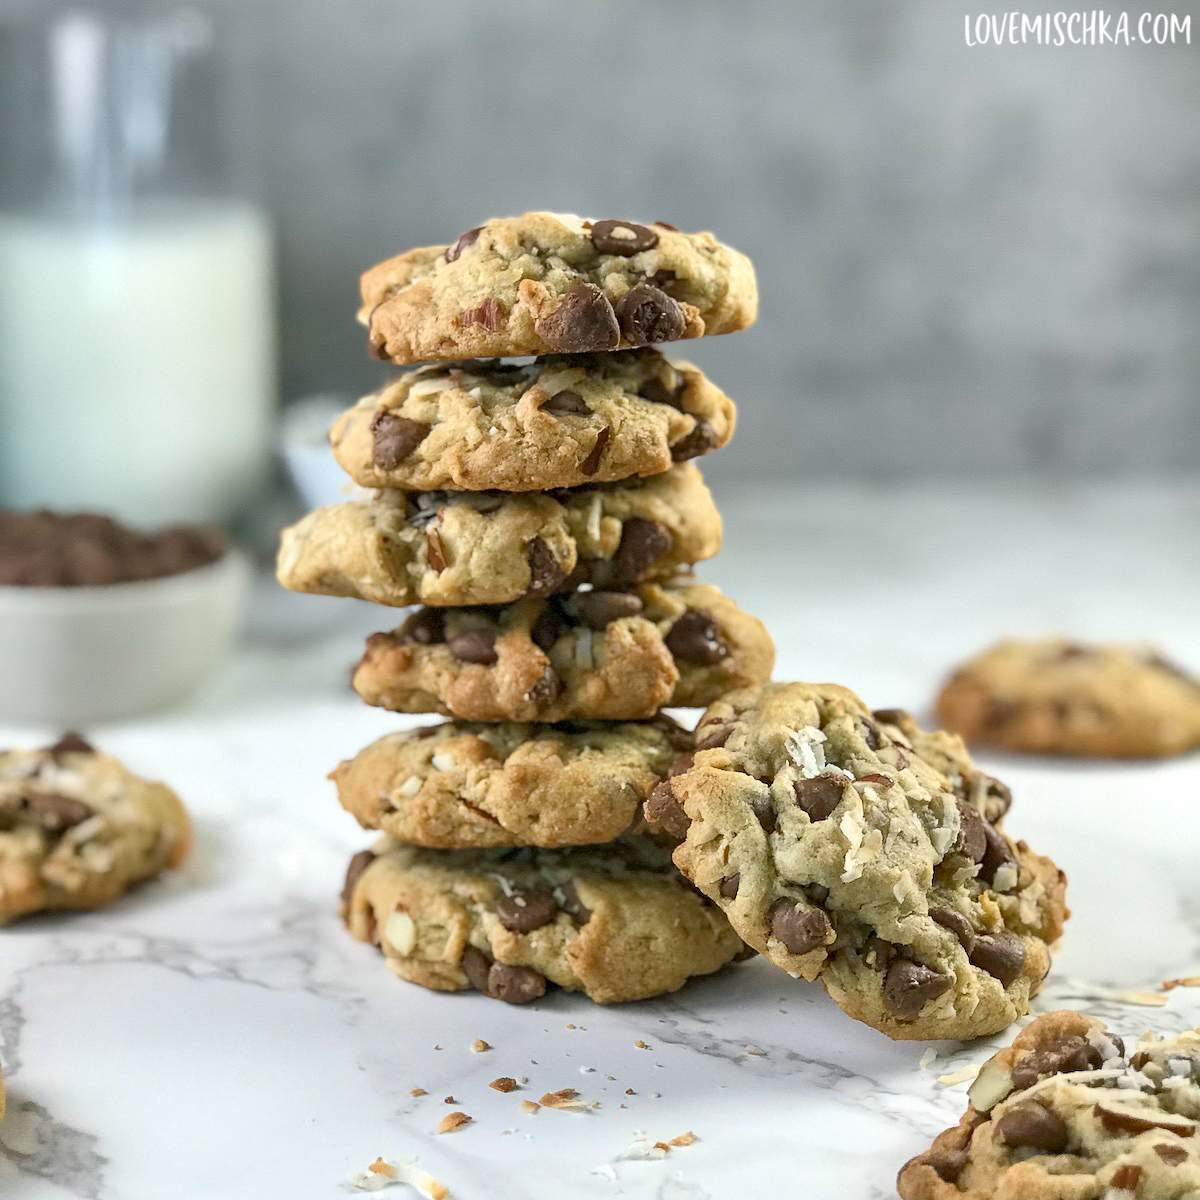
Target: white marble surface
[[218, 1036]]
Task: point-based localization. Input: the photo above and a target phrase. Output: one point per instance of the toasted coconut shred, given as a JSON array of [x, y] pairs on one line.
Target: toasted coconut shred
[[453, 1122], [568, 1099], [1169, 985], [957, 1077], [383, 1173]]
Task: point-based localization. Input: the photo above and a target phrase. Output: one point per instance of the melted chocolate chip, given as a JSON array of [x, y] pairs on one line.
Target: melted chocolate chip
[[908, 986], [489, 314], [799, 927], [583, 320], [996, 855], [591, 464], [54, 812], [623, 238], [598, 609], [426, 627], [572, 905], [729, 886], [696, 638], [547, 629], [1001, 955], [957, 924], [819, 796], [546, 690], [523, 912], [681, 765], [890, 716], [70, 743], [700, 441], [664, 811], [713, 734], [515, 985], [972, 833], [464, 240], [566, 403], [643, 543], [474, 646], [1170, 1154], [395, 438], [1033, 1124], [764, 812], [657, 392], [476, 965], [358, 864], [1071, 1053], [646, 315], [545, 573]]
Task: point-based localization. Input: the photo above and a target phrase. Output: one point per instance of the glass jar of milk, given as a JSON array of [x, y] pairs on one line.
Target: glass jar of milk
[[137, 334]]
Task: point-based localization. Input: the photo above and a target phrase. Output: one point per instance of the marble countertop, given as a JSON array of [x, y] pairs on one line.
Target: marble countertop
[[218, 1035]]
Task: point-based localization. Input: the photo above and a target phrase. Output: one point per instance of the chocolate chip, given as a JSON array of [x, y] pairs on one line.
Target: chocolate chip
[[1033, 1124], [713, 734], [53, 811], [696, 638], [799, 927], [547, 629], [435, 552], [870, 732], [1071, 1053], [908, 986], [474, 646], [643, 543], [583, 320], [999, 954], [947, 1164], [700, 441], [1170, 1154], [890, 716], [572, 905], [426, 627], [972, 833], [489, 314], [70, 743], [545, 573], [464, 240], [876, 780], [664, 811], [598, 609], [523, 912], [681, 765], [996, 855], [878, 953], [566, 403], [764, 812], [958, 925], [729, 886], [515, 985], [817, 893], [623, 238], [358, 864], [546, 690], [476, 965], [646, 315], [820, 795], [1126, 1178], [395, 439], [591, 464], [657, 392]]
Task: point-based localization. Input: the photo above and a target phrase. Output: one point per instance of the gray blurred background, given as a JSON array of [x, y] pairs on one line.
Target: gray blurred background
[[971, 260]]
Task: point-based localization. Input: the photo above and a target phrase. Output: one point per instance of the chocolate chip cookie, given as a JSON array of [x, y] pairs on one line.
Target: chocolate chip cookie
[[593, 655], [1068, 1113], [558, 422], [840, 853], [460, 548], [1053, 696], [616, 923], [553, 283], [77, 830], [462, 785]]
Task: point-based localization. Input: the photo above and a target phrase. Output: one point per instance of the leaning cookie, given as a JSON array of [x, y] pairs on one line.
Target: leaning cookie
[[1066, 1113], [592, 655], [462, 785], [77, 830], [1057, 697], [838, 852], [554, 423], [615, 923], [457, 548], [549, 283]]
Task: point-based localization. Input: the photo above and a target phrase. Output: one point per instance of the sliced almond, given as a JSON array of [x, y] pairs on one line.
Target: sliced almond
[[1134, 1121], [993, 1083]]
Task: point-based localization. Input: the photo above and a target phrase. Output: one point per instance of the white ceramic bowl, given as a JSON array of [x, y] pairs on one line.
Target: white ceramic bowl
[[73, 655]]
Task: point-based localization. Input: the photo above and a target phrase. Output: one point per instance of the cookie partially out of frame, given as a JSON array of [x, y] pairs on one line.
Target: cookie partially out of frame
[[461, 548], [558, 422], [616, 922], [77, 830], [1053, 696], [554, 283], [592, 655], [1068, 1112], [838, 852], [463, 785]]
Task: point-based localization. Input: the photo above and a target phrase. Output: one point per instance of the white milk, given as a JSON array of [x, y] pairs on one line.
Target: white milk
[[136, 364]]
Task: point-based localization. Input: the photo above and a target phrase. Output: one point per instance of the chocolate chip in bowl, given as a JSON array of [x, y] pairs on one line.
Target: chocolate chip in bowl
[[99, 620]]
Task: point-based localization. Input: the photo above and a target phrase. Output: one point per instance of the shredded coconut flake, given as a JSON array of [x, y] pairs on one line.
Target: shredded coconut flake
[[957, 1077], [383, 1173]]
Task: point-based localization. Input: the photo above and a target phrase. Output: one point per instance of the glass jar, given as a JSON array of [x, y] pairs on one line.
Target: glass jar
[[137, 332]]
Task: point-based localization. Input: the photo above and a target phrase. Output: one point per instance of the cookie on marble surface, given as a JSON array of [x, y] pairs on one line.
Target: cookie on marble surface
[[592, 655], [1053, 696], [557, 422], [463, 785], [459, 548], [77, 830], [1066, 1113], [616, 923], [838, 852], [551, 283]]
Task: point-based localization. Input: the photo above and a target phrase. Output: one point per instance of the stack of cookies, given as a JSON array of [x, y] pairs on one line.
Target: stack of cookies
[[544, 514]]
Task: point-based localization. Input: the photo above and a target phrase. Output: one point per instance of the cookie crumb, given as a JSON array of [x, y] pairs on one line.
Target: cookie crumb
[[506, 1083], [415, 1092], [449, 1100], [641, 1045], [684, 1139], [479, 1046], [567, 1099], [1140, 999], [381, 1174], [757, 1051], [1169, 985], [630, 1092], [454, 1121], [529, 1106]]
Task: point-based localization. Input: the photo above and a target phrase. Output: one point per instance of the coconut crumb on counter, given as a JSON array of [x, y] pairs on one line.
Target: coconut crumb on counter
[[452, 1122], [382, 1173], [568, 1099], [479, 1046], [684, 1139], [415, 1092], [1169, 985], [640, 1045], [957, 1077], [506, 1083], [757, 1051], [529, 1106]]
